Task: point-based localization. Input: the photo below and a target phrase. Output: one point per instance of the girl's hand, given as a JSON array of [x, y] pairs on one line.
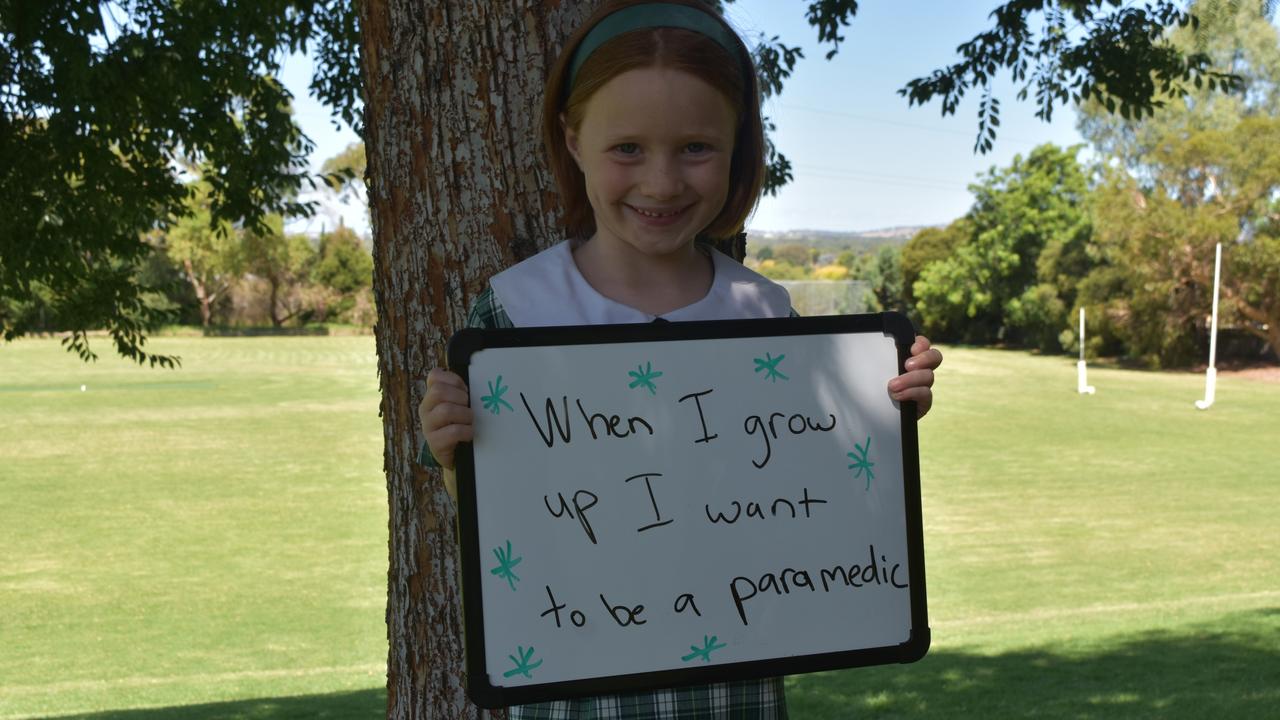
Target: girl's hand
[[445, 414], [915, 383]]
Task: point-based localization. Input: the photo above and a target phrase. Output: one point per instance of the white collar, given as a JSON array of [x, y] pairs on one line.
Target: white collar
[[548, 289]]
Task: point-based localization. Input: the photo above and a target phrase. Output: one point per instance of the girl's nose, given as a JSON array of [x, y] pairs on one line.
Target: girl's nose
[[662, 180]]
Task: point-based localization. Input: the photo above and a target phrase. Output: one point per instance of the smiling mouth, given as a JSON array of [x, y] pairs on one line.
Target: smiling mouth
[[657, 214]]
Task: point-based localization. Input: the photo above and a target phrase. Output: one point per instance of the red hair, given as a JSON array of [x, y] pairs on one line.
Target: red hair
[[673, 48]]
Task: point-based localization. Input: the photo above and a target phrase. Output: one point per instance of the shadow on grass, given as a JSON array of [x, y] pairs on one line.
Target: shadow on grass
[[1230, 669], [368, 704], [1227, 669]]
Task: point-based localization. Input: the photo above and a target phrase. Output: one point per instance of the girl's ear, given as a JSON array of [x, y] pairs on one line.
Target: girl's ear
[[571, 141]]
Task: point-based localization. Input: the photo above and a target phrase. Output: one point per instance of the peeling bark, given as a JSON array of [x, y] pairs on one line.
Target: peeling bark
[[457, 191]]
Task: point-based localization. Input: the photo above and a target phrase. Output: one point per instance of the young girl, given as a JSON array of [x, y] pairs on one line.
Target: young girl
[[651, 121]]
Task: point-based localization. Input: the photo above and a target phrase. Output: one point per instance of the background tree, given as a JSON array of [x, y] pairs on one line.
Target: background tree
[[344, 267], [102, 98], [1012, 279], [346, 170], [799, 255], [1157, 241], [776, 269], [1205, 171], [209, 254], [345, 176], [882, 271], [1124, 60], [283, 262], [929, 245]]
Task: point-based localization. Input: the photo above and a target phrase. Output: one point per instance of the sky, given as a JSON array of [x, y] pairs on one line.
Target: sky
[[862, 159]]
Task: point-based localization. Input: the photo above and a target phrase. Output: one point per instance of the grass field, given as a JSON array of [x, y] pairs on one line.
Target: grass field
[[211, 542], [214, 534]]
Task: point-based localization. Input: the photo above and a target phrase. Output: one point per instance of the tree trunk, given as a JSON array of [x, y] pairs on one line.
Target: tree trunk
[[457, 191], [1264, 319], [201, 295], [274, 282]]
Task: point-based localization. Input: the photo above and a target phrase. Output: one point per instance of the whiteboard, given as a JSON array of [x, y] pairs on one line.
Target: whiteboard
[[654, 505]]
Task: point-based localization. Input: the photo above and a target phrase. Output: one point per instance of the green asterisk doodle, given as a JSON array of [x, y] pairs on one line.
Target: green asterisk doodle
[[644, 377], [861, 463], [770, 364], [506, 566], [494, 398], [522, 664], [704, 652]]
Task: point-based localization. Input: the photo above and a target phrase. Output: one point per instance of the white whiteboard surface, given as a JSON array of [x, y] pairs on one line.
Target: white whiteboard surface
[[606, 476]]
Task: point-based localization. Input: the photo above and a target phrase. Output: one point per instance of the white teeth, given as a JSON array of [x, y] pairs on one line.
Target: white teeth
[[646, 213]]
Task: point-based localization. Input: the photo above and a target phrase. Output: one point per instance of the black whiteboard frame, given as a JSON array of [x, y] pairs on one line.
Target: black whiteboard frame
[[470, 341]]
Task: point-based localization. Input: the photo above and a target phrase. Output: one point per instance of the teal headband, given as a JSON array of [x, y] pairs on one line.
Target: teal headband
[[651, 15]]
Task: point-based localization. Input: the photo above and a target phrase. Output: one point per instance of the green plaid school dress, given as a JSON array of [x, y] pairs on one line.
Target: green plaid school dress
[[742, 700], [745, 700]]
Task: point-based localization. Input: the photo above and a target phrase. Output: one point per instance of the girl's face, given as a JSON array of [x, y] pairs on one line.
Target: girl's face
[[655, 146]]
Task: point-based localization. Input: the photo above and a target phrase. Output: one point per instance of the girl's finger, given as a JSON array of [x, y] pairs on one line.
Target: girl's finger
[[446, 393], [921, 396], [930, 358], [912, 379], [447, 414], [447, 438], [439, 376]]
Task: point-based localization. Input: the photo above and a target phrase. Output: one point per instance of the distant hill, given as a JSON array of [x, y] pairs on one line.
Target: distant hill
[[833, 240]]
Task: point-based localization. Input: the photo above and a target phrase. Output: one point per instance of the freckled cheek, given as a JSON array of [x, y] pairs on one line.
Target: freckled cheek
[[713, 181], [606, 185], [609, 178]]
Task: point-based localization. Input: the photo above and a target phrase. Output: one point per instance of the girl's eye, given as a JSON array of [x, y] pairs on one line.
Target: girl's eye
[[697, 147], [627, 148]]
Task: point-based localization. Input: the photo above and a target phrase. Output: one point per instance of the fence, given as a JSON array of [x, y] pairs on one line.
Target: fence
[[827, 297]]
